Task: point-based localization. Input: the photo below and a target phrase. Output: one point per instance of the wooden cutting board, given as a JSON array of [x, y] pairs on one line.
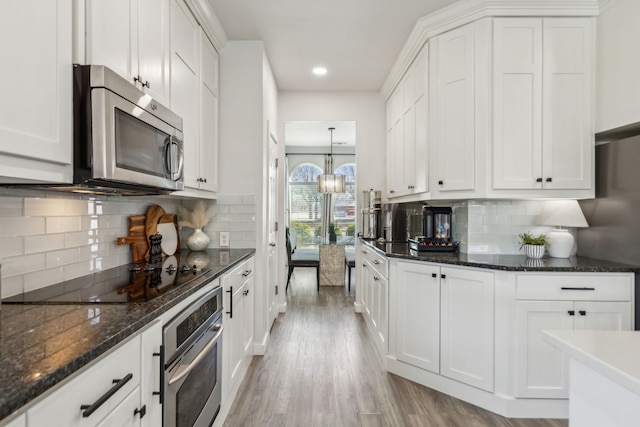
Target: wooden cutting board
[[137, 238]]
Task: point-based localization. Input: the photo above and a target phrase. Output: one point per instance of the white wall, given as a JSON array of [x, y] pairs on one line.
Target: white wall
[[618, 65]]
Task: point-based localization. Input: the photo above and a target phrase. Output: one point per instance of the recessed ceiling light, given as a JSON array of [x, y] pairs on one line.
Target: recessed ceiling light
[[319, 71]]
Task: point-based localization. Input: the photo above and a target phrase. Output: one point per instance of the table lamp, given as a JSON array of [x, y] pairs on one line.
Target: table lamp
[[561, 213]]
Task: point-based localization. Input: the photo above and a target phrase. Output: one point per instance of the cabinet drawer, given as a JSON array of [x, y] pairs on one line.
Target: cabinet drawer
[[576, 287], [238, 275], [379, 262], [63, 405]]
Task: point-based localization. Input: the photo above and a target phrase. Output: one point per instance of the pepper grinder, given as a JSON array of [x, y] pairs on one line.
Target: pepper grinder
[[155, 252]]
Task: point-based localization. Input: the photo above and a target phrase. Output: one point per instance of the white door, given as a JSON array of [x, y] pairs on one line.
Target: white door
[[418, 314], [454, 115], [466, 325], [272, 274], [541, 370], [567, 135]]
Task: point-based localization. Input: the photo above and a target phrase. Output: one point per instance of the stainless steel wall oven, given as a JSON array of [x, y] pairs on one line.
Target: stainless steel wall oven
[[193, 364]]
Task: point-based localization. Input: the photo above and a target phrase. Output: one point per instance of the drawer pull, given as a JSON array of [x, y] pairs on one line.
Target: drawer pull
[[434, 275], [577, 289], [376, 278], [142, 411], [443, 276], [246, 292], [246, 273], [571, 312], [583, 312], [376, 262], [90, 409]]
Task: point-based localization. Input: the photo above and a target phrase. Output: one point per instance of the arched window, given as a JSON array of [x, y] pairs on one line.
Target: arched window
[[344, 204], [305, 204]]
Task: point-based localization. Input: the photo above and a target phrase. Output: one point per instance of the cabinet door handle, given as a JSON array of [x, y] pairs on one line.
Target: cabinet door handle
[[538, 179], [571, 312], [440, 182], [246, 273], [583, 312], [364, 265], [443, 276], [160, 393], [230, 312], [569, 288], [392, 191], [90, 409], [142, 411], [376, 278], [245, 293], [376, 262], [434, 275], [549, 179]]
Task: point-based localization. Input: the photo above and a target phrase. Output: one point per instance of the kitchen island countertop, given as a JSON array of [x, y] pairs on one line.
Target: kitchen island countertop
[[42, 344]]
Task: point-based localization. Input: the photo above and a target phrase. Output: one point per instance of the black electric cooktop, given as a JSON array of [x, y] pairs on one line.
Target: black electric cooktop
[[130, 283]]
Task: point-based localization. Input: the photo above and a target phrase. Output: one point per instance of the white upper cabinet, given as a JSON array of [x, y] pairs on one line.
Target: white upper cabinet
[[194, 97], [456, 148], [407, 122], [208, 159], [132, 38], [542, 123], [36, 87]]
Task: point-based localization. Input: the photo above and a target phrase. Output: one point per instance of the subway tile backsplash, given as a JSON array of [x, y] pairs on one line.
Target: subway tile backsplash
[[48, 237], [492, 226]]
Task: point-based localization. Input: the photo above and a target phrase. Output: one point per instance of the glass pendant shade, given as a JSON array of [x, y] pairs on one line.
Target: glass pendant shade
[[331, 183]]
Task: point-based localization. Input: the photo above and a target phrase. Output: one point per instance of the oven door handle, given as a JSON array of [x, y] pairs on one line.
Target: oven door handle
[[183, 370]]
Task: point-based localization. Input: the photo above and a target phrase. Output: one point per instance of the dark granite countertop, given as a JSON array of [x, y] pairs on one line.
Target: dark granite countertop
[[503, 262], [41, 344]]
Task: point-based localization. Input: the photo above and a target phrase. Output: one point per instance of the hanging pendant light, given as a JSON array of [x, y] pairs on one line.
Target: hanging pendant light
[[329, 182]]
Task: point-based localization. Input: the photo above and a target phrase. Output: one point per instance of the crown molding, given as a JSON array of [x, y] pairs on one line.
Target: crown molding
[[466, 11], [209, 22]]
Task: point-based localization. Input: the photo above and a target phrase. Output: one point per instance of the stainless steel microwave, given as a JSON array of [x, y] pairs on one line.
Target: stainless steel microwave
[[125, 142]]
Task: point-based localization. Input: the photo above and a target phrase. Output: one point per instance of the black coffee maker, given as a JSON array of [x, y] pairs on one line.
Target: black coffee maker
[[437, 230], [437, 222]]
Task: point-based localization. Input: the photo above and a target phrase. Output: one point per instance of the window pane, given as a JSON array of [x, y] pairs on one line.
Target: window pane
[[344, 205], [306, 205]]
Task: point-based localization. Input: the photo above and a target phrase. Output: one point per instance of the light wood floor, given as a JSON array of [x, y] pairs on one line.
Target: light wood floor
[[321, 369]]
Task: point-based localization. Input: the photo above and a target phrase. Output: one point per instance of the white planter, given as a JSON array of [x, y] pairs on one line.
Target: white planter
[[534, 251]]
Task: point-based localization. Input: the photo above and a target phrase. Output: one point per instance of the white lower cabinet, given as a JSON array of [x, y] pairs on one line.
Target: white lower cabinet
[[151, 340], [445, 321], [375, 296], [237, 347], [418, 303], [466, 326], [477, 334], [562, 302], [131, 372], [76, 402]]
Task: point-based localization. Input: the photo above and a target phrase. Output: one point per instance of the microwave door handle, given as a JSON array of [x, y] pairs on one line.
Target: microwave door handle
[[168, 163]]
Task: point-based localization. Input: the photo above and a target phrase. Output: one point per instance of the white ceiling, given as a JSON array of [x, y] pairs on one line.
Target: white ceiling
[[356, 40], [317, 134]]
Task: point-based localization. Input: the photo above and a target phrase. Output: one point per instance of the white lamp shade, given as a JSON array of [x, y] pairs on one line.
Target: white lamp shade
[[562, 213], [331, 183]]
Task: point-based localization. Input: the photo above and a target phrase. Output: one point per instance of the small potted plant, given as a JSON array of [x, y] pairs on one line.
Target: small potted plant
[[534, 246], [332, 233]]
